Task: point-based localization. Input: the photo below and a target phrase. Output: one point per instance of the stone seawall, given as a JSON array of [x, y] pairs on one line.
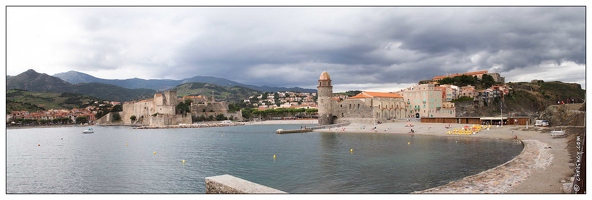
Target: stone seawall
[[192, 125], [310, 129], [227, 184]]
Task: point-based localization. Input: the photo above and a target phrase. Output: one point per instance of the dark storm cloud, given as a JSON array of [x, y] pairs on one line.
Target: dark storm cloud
[[366, 46], [291, 46]]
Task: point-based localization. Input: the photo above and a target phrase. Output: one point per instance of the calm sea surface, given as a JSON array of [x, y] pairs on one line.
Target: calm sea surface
[[126, 160]]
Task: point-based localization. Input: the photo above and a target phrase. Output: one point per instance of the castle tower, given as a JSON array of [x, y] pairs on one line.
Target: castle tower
[[171, 97], [325, 92]]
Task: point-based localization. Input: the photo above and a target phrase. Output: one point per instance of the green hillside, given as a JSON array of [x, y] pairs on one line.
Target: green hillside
[[221, 93], [22, 100], [525, 99]]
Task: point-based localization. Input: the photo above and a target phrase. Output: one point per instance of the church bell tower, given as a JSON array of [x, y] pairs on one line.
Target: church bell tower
[[324, 94]]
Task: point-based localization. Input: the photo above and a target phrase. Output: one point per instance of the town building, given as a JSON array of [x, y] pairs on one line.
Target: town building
[[425, 100], [467, 91], [450, 92]]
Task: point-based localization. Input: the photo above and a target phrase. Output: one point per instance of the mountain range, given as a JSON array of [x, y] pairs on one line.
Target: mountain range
[[30, 80], [132, 89], [75, 77]]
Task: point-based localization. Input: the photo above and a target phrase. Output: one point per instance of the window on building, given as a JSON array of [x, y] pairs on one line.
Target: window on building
[[358, 106]]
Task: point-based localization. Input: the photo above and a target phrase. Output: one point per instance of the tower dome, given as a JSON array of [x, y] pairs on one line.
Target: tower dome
[[325, 76]]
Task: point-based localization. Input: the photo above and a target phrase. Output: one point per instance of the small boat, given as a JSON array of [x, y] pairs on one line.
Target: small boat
[[90, 130]]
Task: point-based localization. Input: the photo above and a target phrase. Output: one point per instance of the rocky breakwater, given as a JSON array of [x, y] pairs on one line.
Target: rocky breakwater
[[202, 125], [501, 179]]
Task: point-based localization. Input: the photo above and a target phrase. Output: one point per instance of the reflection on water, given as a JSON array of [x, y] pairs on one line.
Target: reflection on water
[[123, 160]]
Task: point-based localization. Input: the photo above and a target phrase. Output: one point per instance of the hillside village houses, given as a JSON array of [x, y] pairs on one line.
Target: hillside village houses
[[286, 100], [52, 114]]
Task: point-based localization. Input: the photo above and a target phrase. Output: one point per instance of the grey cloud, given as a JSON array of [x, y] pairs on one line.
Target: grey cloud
[[356, 45]]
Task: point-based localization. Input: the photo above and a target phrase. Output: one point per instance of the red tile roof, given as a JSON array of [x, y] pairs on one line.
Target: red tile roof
[[376, 94]]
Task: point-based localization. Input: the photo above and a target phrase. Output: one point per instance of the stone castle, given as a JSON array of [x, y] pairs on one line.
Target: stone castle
[[366, 107], [161, 110], [158, 111]]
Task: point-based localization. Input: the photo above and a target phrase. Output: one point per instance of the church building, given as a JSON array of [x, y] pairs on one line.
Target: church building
[[366, 107]]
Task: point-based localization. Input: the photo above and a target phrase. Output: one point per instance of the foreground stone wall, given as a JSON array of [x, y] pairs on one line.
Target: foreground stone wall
[[227, 184]]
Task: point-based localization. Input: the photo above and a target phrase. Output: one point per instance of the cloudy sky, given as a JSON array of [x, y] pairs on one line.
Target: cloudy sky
[[362, 48]]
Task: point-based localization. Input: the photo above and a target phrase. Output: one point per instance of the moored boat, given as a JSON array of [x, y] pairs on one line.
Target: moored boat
[[90, 130]]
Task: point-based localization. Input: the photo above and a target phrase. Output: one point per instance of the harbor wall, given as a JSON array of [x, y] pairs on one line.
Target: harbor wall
[[227, 184]]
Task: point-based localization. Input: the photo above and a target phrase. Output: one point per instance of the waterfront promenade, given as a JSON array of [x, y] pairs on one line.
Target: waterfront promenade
[[542, 167]]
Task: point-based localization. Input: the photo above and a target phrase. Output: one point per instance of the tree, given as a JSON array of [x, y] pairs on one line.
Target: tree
[[183, 108], [351, 93], [117, 108], [264, 95], [116, 117], [133, 118], [221, 117], [247, 113], [487, 81], [81, 120], [254, 99]]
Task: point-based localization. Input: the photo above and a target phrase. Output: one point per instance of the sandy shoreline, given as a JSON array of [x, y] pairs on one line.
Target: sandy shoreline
[[540, 168]]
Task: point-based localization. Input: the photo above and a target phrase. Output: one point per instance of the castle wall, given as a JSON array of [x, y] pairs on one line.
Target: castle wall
[[170, 98], [158, 99], [165, 110], [352, 108], [213, 109], [163, 120], [368, 110], [238, 115], [143, 110], [139, 109]]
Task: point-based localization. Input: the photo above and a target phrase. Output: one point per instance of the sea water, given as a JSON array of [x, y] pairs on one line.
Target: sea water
[[115, 160]]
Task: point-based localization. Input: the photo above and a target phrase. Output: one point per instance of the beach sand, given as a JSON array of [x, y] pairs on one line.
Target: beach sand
[[542, 167]]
